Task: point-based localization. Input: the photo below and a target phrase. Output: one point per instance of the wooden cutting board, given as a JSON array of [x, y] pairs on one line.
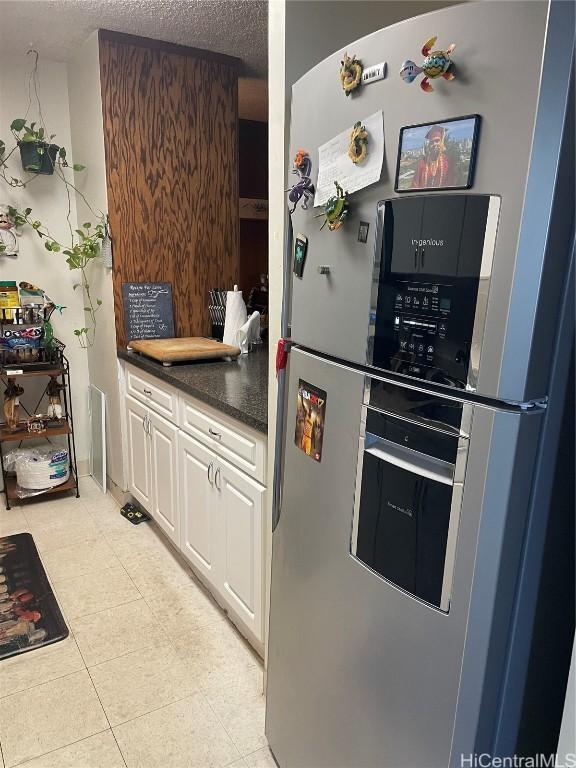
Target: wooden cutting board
[[168, 351]]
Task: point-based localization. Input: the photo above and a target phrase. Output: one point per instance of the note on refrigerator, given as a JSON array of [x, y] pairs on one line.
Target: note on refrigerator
[[335, 165]]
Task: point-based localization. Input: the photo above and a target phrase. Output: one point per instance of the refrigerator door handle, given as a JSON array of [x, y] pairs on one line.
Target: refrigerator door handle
[[412, 461]]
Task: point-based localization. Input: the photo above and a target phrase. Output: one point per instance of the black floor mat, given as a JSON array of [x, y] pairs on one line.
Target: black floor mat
[[29, 614]]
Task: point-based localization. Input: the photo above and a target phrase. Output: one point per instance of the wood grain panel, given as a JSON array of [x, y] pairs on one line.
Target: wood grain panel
[[171, 135]]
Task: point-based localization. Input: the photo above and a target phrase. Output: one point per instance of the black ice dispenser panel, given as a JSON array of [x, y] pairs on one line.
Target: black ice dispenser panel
[[433, 272]]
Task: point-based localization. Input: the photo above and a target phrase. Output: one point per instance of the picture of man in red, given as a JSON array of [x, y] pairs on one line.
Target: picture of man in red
[[433, 170]]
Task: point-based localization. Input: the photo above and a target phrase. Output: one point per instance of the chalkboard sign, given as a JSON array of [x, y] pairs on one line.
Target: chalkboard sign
[[148, 312]]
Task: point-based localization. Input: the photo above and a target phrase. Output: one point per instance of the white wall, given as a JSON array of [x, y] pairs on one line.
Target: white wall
[[88, 145], [276, 206], [47, 198]]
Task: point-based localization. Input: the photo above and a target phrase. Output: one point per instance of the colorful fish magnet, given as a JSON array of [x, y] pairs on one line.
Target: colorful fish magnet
[[350, 73], [358, 147], [335, 210], [303, 190], [436, 64]]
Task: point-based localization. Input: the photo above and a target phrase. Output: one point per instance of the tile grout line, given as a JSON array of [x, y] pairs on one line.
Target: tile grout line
[[105, 713], [51, 680], [201, 690], [51, 751]]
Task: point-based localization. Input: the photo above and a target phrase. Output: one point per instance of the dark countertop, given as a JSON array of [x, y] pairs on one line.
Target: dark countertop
[[238, 388]]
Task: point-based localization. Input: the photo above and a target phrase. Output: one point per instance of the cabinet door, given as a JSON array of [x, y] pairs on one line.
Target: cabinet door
[[241, 504], [164, 455], [139, 474], [198, 505]]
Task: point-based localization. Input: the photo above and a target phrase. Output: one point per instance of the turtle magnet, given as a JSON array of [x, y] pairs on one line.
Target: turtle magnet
[[335, 210], [436, 64]]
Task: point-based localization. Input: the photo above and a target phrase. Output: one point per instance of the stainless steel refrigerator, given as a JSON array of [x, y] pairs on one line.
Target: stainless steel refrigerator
[[425, 393]]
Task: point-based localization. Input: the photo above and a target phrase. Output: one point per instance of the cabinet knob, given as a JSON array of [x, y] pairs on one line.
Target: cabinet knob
[[215, 435], [324, 269], [148, 392], [216, 478], [209, 470]]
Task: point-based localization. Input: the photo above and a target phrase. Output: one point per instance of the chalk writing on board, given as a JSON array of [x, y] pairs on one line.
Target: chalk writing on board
[[148, 311]]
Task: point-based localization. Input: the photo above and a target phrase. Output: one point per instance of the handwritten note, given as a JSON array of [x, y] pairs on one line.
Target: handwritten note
[[335, 165], [148, 311]]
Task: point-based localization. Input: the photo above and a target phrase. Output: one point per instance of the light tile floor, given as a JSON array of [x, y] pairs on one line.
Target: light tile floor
[[153, 674]]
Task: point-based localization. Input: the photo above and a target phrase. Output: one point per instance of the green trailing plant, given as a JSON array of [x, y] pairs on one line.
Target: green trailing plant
[[84, 248], [84, 245]]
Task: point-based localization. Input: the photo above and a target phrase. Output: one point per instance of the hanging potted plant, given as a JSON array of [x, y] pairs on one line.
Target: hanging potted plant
[[40, 156], [37, 154]]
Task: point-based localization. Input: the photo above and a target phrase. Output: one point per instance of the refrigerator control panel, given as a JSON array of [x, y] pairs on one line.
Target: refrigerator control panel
[[421, 327], [430, 260]]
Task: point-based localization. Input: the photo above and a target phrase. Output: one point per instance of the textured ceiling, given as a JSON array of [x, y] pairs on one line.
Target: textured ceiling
[[56, 28]]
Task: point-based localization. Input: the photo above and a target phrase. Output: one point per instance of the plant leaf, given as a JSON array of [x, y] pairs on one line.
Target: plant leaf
[[78, 167], [87, 225], [18, 124]]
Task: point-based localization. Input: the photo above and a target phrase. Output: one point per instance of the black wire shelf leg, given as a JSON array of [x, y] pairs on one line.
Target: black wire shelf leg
[[4, 478]]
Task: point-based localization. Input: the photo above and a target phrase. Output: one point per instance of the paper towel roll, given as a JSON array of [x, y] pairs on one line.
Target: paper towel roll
[[235, 316]]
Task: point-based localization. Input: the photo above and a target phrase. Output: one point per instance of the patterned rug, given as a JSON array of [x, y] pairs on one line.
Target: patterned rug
[[29, 614]]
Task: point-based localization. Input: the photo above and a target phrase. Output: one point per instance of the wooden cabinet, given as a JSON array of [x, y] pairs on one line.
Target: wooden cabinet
[[152, 458], [221, 513]]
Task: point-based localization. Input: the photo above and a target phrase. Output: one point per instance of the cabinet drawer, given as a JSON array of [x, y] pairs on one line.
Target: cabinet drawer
[[161, 398], [233, 441]]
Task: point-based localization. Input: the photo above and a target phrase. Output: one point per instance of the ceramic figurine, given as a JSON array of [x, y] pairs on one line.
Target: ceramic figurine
[[54, 403], [12, 395], [358, 147], [350, 73], [335, 210], [8, 240], [303, 190], [436, 64]]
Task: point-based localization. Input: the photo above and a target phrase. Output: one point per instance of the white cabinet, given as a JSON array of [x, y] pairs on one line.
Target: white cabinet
[[241, 508], [152, 461], [199, 474], [164, 462], [139, 465], [198, 538], [222, 511]]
